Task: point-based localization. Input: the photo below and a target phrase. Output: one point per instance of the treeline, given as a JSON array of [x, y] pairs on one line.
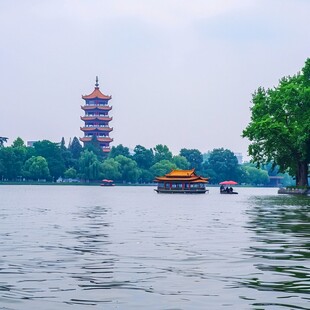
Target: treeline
[[50, 161]]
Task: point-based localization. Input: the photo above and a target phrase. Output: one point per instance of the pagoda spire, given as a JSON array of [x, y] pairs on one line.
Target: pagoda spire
[[97, 84]]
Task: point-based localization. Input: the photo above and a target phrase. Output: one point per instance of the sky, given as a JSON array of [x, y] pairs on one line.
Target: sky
[[181, 73]]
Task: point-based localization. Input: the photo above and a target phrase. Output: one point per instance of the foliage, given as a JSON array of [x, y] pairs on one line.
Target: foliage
[[36, 168], [162, 167], [162, 152], [2, 140], [222, 165], [75, 148], [143, 157], [181, 162], [70, 173], [52, 153], [128, 169], [90, 167], [194, 157], [111, 169], [94, 146], [119, 150], [280, 125], [19, 142], [255, 176]]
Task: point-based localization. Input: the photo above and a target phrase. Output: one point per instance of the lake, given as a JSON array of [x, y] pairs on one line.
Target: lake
[[85, 247]]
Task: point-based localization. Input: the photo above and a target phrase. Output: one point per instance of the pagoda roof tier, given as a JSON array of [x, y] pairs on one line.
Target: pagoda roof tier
[[106, 129], [96, 107], [106, 149], [95, 118], [99, 139], [96, 94], [183, 176]]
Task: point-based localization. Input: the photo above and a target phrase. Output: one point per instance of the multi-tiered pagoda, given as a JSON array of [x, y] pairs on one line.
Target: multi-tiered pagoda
[[97, 118]]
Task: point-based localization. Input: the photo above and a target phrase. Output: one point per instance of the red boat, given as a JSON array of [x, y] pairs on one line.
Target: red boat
[[106, 182]]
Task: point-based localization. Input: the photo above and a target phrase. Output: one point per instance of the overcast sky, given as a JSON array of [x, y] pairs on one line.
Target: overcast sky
[[180, 73]]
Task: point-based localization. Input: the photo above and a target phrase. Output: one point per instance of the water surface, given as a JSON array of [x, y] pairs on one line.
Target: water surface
[[73, 247]]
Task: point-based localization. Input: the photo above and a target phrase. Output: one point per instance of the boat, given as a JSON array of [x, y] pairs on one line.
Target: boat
[[227, 190], [106, 182], [181, 182]]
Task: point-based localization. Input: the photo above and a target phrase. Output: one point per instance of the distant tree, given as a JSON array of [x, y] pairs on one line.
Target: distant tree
[[111, 170], [119, 150], [181, 162], [254, 175], [75, 148], [36, 168], [90, 167], [63, 144], [2, 140], [194, 157], [19, 142], [94, 146], [279, 129], [162, 167], [162, 152], [146, 176], [223, 164], [52, 153], [143, 157], [70, 173], [128, 169], [8, 163]]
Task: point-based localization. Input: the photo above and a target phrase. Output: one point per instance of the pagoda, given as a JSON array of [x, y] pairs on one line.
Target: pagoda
[[96, 118]]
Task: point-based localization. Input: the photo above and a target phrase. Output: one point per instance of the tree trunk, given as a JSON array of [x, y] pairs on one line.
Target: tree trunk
[[302, 174]]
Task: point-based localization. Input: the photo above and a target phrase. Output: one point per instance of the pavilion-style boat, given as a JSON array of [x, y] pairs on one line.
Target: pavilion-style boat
[[181, 182]]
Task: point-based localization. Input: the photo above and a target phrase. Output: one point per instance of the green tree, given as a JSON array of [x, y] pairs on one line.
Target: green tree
[[222, 165], [52, 153], [254, 175], [111, 169], [119, 150], [19, 142], [2, 140], [94, 146], [162, 152], [75, 148], [194, 157], [70, 173], [279, 129], [8, 163], [162, 167], [181, 162], [143, 157], [90, 167], [36, 168], [128, 169]]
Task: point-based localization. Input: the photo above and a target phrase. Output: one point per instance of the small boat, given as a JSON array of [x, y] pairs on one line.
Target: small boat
[[227, 190], [106, 182], [181, 182]]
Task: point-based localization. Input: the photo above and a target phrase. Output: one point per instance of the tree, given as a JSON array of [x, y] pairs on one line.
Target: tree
[[193, 156], [279, 129], [52, 153], [223, 165], [111, 169], [162, 167], [94, 146], [36, 167], [2, 140], [181, 162], [255, 176], [19, 142], [119, 150], [128, 169], [90, 167], [70, 173], [162, 152], [75, 148], [143, 157]]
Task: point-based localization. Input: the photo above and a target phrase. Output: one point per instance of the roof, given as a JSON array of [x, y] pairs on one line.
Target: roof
[[99, 118], [96, 94], [182, 175], [96, 107], [96, 128]]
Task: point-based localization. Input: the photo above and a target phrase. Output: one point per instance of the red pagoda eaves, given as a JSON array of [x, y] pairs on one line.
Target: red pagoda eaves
[[96, 118]]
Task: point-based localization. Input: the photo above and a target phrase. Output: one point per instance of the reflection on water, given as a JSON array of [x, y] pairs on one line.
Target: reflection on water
[[130, 248], [281, 249]]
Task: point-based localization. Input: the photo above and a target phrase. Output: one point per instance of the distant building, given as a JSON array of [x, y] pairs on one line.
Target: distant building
[[30, 143], [96, 118], [239, 157]]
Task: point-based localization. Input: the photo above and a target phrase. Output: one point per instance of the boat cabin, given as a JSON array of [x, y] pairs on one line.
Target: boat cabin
[[181, 182]]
